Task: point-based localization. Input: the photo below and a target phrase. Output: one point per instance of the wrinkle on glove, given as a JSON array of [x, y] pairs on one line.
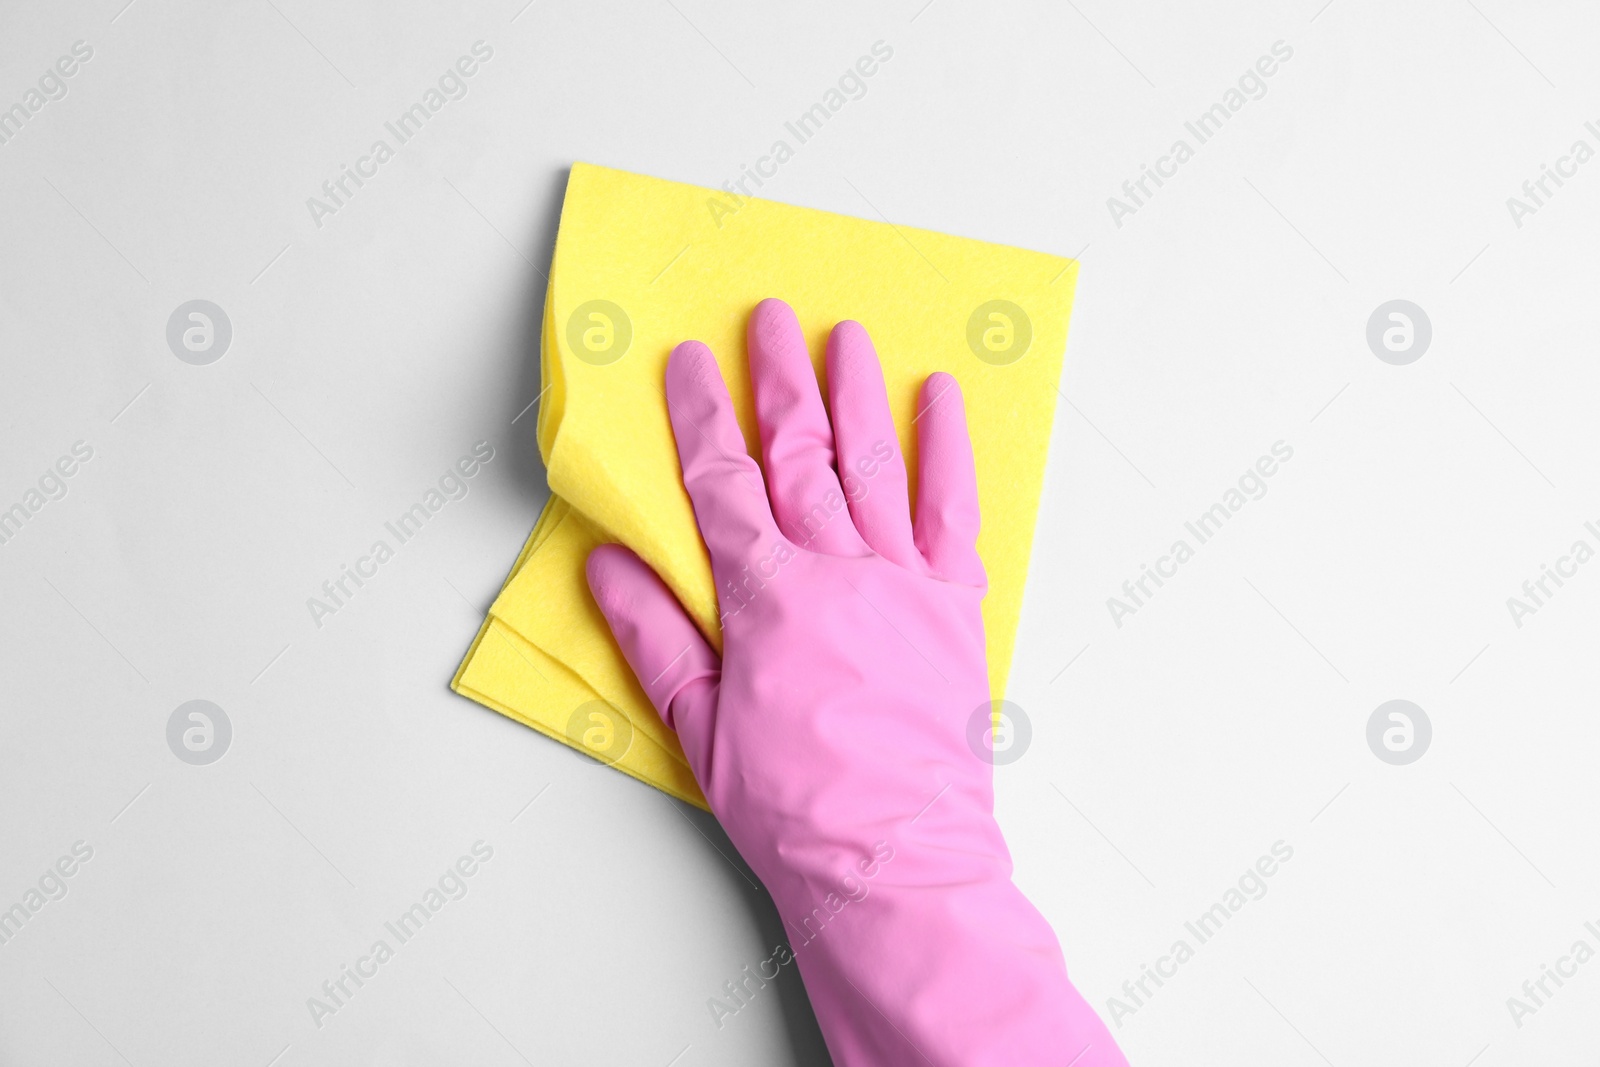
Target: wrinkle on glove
[[660, 262]]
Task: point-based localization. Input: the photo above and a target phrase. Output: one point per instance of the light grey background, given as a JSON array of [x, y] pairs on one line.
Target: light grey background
[[1228, 313]]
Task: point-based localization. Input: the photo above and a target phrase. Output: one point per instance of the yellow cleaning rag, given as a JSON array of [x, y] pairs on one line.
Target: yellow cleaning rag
[[641, 264]]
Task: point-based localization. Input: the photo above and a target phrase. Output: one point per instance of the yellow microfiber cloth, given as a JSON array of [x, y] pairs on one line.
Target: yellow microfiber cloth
[[641, 264]]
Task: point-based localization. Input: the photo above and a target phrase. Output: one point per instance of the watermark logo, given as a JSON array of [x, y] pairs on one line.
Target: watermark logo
[[452, 885], [1251, 885], [199, 332], [851, 85], [599, 332], [1538, 191], [1251, 85], [1399, 332], [1399, 732], [1531, 601], [52, 485], [51, 886], [1537, 992], [51, 86], [999, 333], [1251, 485], [998, 732], [600, 730], [199, 732], [453, 84], [453, 485], [853, 887]]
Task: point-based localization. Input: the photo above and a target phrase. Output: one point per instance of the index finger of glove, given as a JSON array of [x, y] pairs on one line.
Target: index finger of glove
[[724, 483]]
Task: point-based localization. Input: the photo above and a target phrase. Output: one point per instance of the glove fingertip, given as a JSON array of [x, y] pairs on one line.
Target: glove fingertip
[[605, 569]]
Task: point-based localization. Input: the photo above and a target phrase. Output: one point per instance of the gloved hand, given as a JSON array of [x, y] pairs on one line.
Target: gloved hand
[[831, 737]]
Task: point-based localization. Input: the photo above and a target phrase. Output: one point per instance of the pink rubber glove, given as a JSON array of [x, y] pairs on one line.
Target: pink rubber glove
[[831, 737]]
